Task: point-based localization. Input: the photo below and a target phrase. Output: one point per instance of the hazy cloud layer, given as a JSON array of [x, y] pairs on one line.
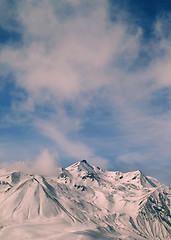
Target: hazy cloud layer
[[45, 164], [76, 66]]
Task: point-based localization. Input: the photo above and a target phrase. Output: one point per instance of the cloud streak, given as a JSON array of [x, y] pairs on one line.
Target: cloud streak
[[70, 147]]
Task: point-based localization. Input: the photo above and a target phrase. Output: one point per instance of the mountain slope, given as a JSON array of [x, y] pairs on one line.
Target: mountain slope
[[101, 204]]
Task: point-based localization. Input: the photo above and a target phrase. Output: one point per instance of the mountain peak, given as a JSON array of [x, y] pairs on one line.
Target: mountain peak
[[84, 161], [82, 165]]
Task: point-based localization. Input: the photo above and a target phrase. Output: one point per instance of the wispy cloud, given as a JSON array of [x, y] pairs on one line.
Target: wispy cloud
[[70, 147]]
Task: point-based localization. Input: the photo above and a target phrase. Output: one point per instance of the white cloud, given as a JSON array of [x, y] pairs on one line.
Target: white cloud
[[66, 59], [45, 164]]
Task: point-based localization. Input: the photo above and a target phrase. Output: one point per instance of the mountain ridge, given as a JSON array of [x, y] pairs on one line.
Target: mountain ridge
[[114, 204]]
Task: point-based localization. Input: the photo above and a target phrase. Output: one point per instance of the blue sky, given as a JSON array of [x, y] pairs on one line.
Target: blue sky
[[84, 79]]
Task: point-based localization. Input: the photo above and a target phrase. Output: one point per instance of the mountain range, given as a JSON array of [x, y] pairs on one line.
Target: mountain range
[[83, 202]]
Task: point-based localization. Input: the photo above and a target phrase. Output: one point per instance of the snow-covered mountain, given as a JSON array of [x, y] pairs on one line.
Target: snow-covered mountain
[[83, 202]]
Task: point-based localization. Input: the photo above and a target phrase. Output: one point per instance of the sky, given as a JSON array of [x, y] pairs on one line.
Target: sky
[[83, 79]]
